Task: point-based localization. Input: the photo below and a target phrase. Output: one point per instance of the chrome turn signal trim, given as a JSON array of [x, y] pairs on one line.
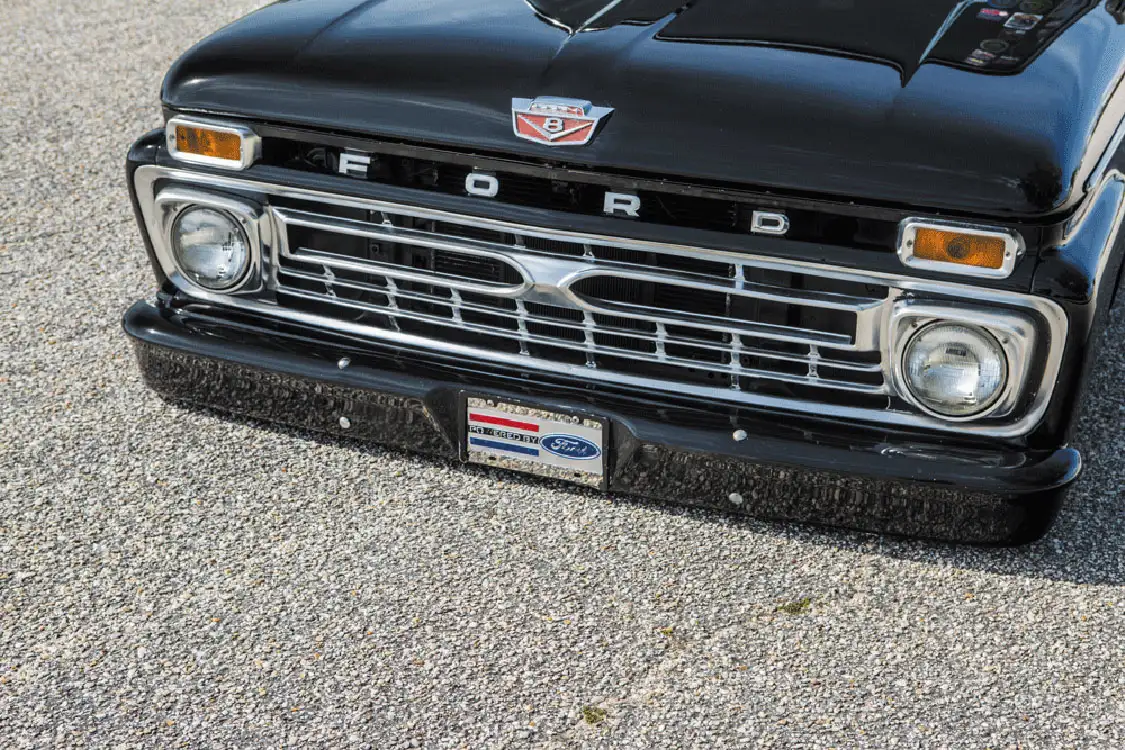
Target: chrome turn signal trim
[[1014, 247], [250, 151]]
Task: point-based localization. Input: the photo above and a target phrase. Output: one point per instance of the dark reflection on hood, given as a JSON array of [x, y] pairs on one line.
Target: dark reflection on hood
[[884, 30], [1003, 36], [999, 37], [986, 36]]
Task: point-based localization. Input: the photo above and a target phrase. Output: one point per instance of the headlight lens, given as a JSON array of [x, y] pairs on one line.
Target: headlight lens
[[210, 248], [955, 370]]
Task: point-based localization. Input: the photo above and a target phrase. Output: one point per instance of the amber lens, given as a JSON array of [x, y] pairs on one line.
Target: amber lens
[[962, 249], [211, 143]]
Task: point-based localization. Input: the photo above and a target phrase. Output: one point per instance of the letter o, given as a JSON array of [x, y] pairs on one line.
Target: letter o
[[482, 185]]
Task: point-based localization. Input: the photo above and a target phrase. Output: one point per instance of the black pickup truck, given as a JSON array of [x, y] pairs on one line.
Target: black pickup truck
[[833, 261]]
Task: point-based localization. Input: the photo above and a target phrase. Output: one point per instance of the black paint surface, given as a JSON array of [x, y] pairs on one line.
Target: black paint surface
[[870, 99]]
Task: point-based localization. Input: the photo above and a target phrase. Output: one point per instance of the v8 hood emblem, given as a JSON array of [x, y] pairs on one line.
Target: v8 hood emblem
[[557, 122]]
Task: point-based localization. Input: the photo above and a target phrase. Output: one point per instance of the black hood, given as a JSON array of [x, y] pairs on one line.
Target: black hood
[[937, 104]]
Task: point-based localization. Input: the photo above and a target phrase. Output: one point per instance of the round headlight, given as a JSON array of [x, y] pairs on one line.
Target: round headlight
[[211, 248], [955, 370]]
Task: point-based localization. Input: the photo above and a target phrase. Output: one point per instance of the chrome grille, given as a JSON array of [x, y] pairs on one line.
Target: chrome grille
[[777, 334], [717, 320]]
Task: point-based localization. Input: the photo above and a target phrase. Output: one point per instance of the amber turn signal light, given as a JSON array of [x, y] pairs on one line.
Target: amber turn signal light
[[959, 249], [213, 144], [954, 247]]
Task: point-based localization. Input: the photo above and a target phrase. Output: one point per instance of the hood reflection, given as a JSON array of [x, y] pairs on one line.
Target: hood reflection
[[997, 37], [575, 16]]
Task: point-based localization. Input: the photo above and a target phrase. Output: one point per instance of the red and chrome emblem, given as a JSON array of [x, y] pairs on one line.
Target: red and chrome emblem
[[557, 122]]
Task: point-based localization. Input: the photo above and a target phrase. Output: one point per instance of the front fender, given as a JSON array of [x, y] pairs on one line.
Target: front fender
[[1083, 274]]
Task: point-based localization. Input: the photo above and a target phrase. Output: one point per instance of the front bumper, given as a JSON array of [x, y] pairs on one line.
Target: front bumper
[[794, 469]]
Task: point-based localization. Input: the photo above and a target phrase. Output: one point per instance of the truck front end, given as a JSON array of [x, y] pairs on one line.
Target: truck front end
[[826, 299]]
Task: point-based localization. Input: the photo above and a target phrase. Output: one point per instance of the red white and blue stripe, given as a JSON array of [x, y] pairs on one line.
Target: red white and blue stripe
[[504, 434]]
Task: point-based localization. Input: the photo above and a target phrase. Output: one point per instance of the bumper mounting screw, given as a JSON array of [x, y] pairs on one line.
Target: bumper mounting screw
[[740, 436], [344, 363], [345, 423]]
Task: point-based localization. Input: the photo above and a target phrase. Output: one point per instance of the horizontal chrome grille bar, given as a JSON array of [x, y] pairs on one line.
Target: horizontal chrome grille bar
[[377, 232], [531, 338], [564, 274], [742, 288], [517, 252], [457, 304], [789, 334]]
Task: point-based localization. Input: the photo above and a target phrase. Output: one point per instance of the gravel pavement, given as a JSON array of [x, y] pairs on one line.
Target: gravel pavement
[[173, 579]]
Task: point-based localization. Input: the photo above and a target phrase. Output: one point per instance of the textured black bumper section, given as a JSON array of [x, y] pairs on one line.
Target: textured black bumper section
[[879, 482]]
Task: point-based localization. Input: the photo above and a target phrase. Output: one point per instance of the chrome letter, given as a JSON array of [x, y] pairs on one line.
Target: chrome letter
[[354, 165], [769, 223], [482, 185], [623, 203]]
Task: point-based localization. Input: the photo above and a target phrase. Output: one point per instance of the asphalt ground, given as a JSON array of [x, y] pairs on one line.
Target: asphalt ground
[[171, 578]]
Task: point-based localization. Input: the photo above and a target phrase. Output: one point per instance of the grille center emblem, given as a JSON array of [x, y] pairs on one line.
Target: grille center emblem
[[553, 121]]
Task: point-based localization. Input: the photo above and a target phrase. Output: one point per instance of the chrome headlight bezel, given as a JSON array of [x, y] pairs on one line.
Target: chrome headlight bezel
[[1015, 332], [173, 202]]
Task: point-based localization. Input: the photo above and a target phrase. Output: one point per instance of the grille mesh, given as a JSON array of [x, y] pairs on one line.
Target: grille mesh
[[725, 323]]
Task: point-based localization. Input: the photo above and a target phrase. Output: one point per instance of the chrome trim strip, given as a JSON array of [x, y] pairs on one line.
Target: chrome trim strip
[[660, 340], [251, 148], [950, 19], [741, 288], [1014, 247], [1100, 169], [590, 21], [790, 334], [285, 218], [602, 349], [1076, 222], [1053, 317]]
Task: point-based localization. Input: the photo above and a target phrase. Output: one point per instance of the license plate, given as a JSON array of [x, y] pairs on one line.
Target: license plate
[[511, 436]]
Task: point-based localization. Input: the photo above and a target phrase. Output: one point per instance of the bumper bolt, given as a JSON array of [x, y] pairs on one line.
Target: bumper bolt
[[736, 498], [345, 423], [740, 436], [344, 363]]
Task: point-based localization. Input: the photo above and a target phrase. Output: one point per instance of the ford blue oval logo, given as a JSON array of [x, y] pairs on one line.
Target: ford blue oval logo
[[570, 446]]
